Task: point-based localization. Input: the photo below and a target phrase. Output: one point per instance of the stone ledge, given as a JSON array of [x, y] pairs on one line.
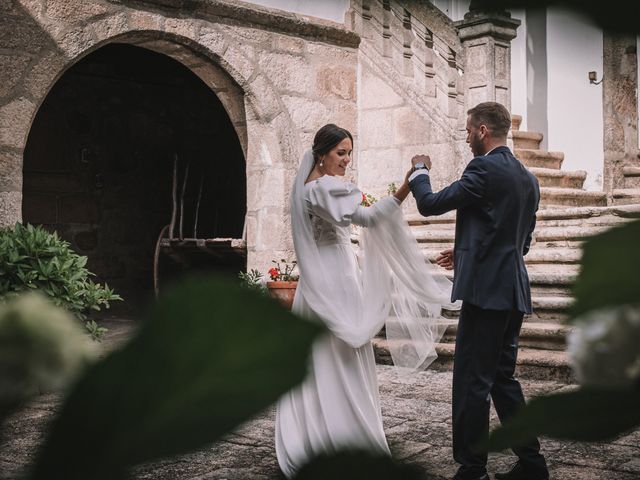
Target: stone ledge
[[248, 14], [627, 196], [631, 171]]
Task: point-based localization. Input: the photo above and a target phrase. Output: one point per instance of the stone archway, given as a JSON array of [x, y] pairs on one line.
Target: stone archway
[[99, 162], [209, 50]]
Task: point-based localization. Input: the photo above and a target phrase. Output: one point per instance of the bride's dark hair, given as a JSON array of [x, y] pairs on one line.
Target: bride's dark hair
[[328, 137]]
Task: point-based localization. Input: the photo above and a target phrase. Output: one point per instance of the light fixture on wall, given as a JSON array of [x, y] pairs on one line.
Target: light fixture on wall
[[593, 78]]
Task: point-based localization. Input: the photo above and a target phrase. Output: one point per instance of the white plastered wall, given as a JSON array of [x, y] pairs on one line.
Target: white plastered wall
[[575, 120], [519, 69]]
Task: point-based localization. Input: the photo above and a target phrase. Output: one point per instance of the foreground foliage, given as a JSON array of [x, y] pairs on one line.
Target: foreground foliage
[[210, 356]]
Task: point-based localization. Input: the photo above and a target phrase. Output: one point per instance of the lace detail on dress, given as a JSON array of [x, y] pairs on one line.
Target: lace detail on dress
[[325, 233]]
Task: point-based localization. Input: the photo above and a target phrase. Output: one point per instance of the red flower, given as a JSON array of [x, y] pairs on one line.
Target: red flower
[[364, 198], [274, 273]]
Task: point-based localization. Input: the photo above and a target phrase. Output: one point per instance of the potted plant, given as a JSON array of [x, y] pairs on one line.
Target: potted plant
[[283, 282]]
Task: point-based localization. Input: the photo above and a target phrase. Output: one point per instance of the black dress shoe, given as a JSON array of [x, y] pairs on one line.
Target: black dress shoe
[[518, 472]]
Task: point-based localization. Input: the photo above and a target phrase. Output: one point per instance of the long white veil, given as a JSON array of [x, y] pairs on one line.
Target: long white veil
[[400, 291]]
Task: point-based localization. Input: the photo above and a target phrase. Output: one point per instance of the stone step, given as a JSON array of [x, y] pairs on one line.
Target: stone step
[[415, 219], [571, 213], [539, 254], [626, 196], [544, 335], [551, 177], [531, 364], [546, 282], [533, 157], [546, 234], [542, 254], [569, 197], [549, 310], [528, 140], [546, 309], [433, 239], [516, 121], [631, 177], [426, 234], [605, 215]]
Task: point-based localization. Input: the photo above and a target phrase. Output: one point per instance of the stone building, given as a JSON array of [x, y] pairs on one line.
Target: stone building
[[121, 117]]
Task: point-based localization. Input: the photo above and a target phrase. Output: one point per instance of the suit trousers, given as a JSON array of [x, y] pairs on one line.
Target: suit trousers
[[483, 370]]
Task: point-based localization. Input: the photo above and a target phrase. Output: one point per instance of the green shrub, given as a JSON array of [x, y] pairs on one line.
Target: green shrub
[[33, 259]]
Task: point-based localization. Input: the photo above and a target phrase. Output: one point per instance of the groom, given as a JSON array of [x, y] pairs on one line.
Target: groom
[[496, 200]]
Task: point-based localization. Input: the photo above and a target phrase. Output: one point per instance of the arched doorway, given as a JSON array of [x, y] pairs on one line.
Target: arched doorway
[[99, 163]]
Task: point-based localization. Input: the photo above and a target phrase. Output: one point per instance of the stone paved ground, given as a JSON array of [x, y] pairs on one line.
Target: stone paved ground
[[417, 421]]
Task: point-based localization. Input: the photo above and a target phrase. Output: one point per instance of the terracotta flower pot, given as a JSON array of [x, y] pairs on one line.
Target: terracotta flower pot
[[283, 292]]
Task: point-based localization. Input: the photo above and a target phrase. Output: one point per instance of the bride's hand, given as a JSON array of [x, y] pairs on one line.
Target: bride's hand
[[404, 190], [408, 174], [445, 259]]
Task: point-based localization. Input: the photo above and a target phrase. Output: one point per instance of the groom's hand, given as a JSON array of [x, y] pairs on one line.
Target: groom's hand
[[421, 158], [445, 259]]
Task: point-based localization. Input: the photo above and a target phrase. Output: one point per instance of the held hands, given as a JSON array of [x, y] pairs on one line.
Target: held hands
[[421, 158], [404, 189], [417, 159], [445, 259]]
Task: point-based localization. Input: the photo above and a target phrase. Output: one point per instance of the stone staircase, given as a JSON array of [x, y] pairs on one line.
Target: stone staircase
[[558, 188], [567, 217]]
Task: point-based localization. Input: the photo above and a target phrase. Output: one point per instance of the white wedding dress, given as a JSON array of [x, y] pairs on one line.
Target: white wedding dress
[[337, 406]]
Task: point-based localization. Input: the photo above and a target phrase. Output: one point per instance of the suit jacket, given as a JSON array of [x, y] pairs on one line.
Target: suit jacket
[[496, 201]]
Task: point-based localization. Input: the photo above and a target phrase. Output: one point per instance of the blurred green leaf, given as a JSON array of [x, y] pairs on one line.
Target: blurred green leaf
[[610, 267], [209, 357], [587, 415], [358, 465]]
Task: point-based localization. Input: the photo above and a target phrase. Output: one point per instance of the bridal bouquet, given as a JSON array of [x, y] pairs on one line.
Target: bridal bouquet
[[368, 200]]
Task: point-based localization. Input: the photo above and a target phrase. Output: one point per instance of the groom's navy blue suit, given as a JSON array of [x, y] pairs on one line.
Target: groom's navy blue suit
[[496, 201]]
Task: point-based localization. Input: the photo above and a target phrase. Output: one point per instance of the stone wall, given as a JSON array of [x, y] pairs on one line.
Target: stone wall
[[620, 81], [410, 93], [279, 77]]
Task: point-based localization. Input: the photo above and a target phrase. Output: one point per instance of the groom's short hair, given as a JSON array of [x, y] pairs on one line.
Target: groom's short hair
[[494, 116]]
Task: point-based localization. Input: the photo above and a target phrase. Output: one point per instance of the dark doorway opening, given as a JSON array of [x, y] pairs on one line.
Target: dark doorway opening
[[99, 161]]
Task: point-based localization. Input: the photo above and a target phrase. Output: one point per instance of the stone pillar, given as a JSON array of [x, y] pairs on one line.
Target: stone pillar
[[486, 41], [619, 100]]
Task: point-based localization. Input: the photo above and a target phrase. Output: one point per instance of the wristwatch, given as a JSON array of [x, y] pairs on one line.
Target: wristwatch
[[420, 166]]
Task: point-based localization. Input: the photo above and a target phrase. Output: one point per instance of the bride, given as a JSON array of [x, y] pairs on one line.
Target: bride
[[337, 406]]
